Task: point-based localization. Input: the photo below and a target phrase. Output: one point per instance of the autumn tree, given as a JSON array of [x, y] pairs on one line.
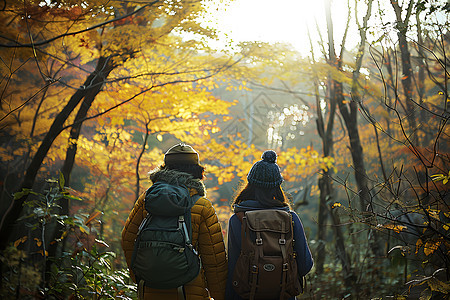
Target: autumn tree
[[408, 199], [144, 76], [103, 45]]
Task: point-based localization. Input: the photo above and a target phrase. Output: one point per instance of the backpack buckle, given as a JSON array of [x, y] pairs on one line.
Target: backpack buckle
[[285, 267], [259, 241], [254, 269], [282, 241]]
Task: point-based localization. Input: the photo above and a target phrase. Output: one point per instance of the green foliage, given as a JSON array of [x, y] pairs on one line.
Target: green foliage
[[84, 271], [89, 274], [372, 276]]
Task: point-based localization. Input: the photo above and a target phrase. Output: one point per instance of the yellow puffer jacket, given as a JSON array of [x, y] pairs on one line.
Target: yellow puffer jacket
[[206, 237]]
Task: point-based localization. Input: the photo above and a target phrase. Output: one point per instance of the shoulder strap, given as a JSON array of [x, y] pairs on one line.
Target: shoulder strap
[[240, 215], [187, 222]]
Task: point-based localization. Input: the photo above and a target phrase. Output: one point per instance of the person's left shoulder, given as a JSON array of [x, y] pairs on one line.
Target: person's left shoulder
[[203, 206], [202, 201]]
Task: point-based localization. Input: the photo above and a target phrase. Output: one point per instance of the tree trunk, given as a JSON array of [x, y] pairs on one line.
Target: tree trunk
[[349, 113], [321, 227], [427, 137], [104, 66], [102, 71], [402, 27], [356, 150], [325, 130]]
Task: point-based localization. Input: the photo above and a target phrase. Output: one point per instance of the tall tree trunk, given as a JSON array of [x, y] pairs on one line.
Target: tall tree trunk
[[321, 227], [390, 89], [356, 150], [349, 113], [104, 67], [92, 82], [325, 134], [325, 130], [402, 27], [327, 199], [427, 137]]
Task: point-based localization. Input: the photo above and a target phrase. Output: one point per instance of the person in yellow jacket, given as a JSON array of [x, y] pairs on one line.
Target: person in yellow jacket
[[181, 163]]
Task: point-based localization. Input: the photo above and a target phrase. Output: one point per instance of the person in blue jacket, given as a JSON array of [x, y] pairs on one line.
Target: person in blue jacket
[[263, 191]]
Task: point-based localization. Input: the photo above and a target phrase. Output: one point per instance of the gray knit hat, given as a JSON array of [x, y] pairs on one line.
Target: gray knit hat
[[181, 154], [266, 173]]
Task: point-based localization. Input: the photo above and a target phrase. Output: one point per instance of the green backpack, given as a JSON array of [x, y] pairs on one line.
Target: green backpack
[[163, 255]]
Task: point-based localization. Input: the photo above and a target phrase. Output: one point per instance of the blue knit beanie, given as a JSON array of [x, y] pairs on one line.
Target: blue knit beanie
[[265, 173]]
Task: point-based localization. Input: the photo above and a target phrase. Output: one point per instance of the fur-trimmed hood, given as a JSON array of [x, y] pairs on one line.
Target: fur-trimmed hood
[[178, 178]]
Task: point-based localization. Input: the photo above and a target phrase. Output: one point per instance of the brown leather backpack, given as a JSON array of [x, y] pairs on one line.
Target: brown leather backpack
[[266, 267]]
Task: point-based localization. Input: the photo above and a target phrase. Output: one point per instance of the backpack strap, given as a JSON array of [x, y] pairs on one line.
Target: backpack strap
[[254, 269], [183, 228], [187, 218], [240, 215], [282, 243], [180, 292], [141, 289], [187, 239]]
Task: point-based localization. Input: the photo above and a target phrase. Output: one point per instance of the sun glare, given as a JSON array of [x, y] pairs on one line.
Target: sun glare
[[284, 21]]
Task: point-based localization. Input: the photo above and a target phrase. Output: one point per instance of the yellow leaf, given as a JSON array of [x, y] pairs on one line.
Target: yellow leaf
[[64, 234], [446, 226], [430, 247], [337, 204], [92, 217], [38, 242], [83, 230], [396, 228], [419, 244], [21, 240]]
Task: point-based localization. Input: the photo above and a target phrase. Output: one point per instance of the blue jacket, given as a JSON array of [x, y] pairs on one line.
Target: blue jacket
[[304, 258]]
